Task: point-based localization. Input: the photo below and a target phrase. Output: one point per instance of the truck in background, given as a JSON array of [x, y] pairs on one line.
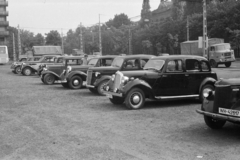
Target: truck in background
[[4, 55], [40, 51], [218, 52]]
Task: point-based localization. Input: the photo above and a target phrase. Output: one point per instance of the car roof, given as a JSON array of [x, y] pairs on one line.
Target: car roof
[[105, 56], [73, 57], [137, 55], [181, 57]]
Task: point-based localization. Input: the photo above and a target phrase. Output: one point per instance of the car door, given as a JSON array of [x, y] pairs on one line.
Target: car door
[[194, 75], [173, 81]]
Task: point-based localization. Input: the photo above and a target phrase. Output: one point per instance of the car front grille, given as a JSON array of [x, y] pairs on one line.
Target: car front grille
[[117, 81], [89, 77]]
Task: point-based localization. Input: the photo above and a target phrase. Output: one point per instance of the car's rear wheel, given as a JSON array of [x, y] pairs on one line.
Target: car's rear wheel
[[205, 87], [65, 85], [49, 79], [100, 87], [135, 98], [27, 71], [213, 63], [75, 82], [228, 64], [214, 123], [116, 100], [18, 70]]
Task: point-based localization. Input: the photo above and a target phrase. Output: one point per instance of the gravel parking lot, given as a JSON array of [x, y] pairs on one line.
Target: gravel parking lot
[[38, 121]]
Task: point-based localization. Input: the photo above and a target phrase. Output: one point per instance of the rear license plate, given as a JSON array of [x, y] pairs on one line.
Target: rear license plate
[[109, 95], [229, 112]]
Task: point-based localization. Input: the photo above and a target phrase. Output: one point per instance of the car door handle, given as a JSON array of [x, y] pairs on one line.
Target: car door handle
[[164, 75], [186, 75]]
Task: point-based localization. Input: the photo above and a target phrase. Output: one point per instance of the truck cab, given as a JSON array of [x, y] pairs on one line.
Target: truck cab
[[221, 54]]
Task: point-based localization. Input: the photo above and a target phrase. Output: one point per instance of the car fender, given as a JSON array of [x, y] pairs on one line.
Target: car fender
[[102, 78], [73, 73], [208, 80], [50, 72], [27, 67], [140, 84]]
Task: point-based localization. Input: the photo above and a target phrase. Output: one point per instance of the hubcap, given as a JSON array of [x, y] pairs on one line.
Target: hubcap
[[18, 70], [76, 82], [27, 72], [136, 99]]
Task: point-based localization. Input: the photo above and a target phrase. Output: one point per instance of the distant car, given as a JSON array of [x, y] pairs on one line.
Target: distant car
[[30, 67], [51, 73], [16, 66], [97, 77], [162, 78], [222, 104], [73, 76]]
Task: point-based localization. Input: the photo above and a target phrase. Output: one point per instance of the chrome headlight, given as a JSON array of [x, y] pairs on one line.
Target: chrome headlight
[[97, 73], [207, 93], [125, 79], [113, 77], [45, 69]]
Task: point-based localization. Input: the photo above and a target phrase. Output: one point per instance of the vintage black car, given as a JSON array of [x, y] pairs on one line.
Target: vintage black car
[[162, 78], [73, 76], [222, 104], [27, 68], [97, 77], [16, 66], [51, 73]]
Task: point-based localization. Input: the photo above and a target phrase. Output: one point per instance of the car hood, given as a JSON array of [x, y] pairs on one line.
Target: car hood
[[231, 81]]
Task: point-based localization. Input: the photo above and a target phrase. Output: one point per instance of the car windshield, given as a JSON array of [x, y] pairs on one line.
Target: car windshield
[[223, 47], [154, 64], [42, 58], [93, 62], [117, 62]]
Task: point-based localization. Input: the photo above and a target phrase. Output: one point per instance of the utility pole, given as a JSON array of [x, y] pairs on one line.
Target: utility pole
[[62, 42], [14, 50], [129, 41], [81, 39], [19, 44], [187, 28], [100, 38], [205, 40]]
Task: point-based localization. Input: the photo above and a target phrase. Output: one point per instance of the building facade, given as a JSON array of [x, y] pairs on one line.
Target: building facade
[[164, 10], [4, 33]]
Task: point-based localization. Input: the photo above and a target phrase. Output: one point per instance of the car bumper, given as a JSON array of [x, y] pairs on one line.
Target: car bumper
[[110, 94], [218, 116], [90, 86]]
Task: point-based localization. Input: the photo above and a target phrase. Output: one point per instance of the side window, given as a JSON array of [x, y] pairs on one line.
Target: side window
[[174, 66], [192, 65], [205, 66], [79, 61], [143, 62], [131, 64], [107, 62]]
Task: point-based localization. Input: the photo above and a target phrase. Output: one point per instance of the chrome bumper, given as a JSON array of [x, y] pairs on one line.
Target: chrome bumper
[[90, 86], [113, 93], [218, 116]]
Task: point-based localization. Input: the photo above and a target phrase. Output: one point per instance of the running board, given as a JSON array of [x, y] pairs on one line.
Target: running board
[[176, 97]]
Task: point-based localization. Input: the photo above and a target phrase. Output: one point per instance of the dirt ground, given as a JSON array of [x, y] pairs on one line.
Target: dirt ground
[[44, 122]]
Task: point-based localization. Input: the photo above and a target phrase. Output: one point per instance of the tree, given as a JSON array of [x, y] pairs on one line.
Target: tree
[[119, 20], [53, 38]]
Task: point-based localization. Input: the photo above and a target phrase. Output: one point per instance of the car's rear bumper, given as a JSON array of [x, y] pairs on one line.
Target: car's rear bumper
[[113, 93], [218, 116]]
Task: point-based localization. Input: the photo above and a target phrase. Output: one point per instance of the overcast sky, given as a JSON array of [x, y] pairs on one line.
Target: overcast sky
[[41, 16]]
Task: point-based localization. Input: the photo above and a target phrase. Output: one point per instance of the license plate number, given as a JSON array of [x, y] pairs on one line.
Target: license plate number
[[109, 95], [229, 112]]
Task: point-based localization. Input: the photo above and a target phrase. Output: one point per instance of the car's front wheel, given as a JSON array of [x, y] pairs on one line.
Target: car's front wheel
[[17, 70], [27, 71], [75, 82], [100, 87], [213, 63], [135, 98], [116, 100], [49, 79], [214, 123]]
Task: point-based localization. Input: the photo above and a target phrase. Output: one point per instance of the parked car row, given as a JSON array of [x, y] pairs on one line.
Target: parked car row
[[131, 79]]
